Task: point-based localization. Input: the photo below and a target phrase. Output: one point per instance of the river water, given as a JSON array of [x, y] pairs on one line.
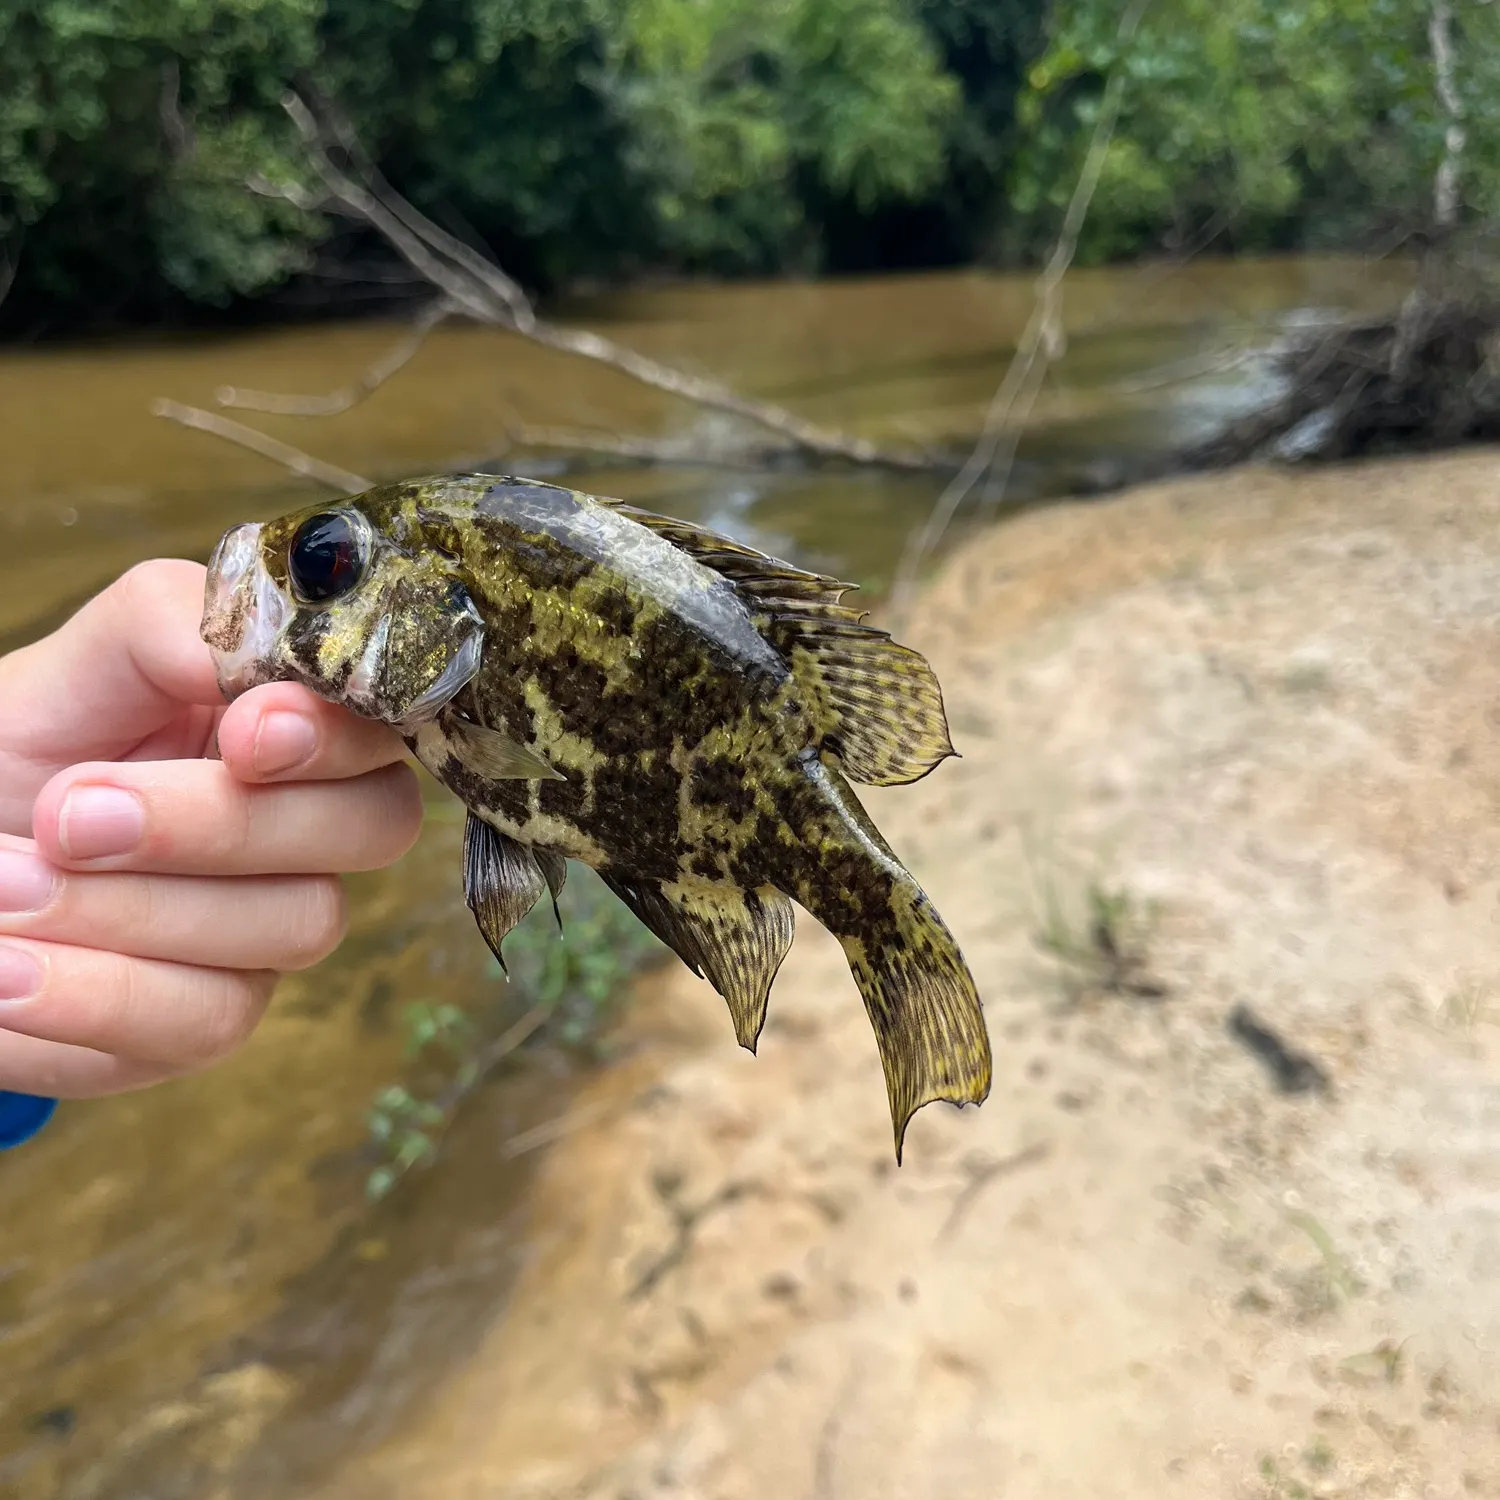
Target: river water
[[195, 1295]]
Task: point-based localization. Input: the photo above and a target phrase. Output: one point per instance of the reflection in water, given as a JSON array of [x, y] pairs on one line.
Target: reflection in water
[[191, 1282]]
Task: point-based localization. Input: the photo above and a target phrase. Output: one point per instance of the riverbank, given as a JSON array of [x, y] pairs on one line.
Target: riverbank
[[1262, 708]]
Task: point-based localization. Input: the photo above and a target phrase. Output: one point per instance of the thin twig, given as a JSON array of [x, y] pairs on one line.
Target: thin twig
[[828, 1436], [1184, 370], [1042, 341], [655, 451], [300, 463], [553, 1130], [480, 289], [395, 359], [982, 1170]]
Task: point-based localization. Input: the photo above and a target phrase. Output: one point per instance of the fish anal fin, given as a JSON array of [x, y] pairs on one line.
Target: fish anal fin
[[735, 939], [492, 754], [502, 882]]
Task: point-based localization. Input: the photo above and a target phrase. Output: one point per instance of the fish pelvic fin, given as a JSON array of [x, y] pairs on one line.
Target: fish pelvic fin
[[923, 1005], [502, 882], [554, 868], [736, 939]]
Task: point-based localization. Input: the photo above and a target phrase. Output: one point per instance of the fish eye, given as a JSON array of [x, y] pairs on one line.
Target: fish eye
[[325, 559]]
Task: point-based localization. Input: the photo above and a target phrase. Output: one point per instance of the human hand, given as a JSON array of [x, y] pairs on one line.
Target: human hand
[[151, 895]]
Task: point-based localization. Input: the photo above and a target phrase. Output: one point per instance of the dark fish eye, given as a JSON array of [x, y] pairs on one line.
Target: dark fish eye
[[324, 560]]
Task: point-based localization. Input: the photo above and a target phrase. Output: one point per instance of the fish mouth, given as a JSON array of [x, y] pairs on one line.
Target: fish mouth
[[243, 612]]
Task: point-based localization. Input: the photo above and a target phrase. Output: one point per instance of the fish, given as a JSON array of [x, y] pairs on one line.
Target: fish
[[678, 711]]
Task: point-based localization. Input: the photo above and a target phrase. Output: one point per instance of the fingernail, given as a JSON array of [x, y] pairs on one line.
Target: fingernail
[[26, 882], [283, 742], [20, 974], [97, 821]]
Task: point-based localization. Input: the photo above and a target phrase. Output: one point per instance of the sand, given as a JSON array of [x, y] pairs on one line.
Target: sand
[[1258, 713]]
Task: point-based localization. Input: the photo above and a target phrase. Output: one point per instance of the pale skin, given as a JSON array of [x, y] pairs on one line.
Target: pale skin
[[165, 858]]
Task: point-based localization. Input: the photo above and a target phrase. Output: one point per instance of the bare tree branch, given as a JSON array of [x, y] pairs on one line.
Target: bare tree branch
[[395, 359], [1042, 342], [477, 288], [1445, 195], [300, 463]]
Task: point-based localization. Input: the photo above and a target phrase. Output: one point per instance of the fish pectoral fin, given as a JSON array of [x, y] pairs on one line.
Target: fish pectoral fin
[[554, 868], [735, 939], [502, 881], [492, 754]]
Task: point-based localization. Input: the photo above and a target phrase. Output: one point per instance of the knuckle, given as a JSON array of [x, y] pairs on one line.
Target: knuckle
[[320, 922], [228, 1011], [400, 811]]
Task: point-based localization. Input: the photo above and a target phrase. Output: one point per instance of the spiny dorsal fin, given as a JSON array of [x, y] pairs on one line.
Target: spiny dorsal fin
[[877, 703], [735, 939], [765, 580]]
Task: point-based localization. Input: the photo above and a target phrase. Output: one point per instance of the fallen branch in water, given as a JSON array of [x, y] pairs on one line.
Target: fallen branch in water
[[472, 286], [1042, 342], [302, 464], [390, 363]]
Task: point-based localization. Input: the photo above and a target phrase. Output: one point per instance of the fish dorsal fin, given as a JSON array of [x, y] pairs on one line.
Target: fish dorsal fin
[[734, 939], [502, 881], [877, 703], [763, 579]]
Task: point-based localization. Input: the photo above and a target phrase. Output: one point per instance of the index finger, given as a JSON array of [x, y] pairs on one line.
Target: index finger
[[283, 732], [120, 668]]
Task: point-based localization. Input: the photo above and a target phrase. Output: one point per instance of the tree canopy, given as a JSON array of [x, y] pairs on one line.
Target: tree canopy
[[607, 138]]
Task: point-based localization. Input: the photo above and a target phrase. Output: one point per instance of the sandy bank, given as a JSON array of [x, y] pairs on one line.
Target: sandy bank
[[1269, 705]]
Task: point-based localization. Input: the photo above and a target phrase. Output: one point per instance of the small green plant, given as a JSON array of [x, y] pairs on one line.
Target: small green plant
[[1385, 1362], [1342, 1281], [1106, 946], [1281, 1486], [401, 1126], [562, 987], [1469, 1003]]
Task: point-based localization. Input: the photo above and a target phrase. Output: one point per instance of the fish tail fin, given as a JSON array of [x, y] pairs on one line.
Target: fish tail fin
[[922, 1002]]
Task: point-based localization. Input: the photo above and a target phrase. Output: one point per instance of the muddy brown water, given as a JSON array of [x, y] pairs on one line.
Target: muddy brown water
[[192, 1285]]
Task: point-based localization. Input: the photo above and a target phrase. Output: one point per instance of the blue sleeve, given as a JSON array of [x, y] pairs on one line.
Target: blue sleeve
[[21, 1116]]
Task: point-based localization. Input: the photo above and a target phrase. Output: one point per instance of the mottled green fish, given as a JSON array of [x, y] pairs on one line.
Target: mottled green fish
[[675, 710]]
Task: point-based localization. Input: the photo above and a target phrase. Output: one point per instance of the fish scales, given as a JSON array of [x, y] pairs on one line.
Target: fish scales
[[679, 712]]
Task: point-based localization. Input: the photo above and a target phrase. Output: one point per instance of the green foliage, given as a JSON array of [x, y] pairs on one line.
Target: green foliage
[[602, 138], [573, 980], [579, 975], [575, 136], [125, 133], [1313, 122]]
